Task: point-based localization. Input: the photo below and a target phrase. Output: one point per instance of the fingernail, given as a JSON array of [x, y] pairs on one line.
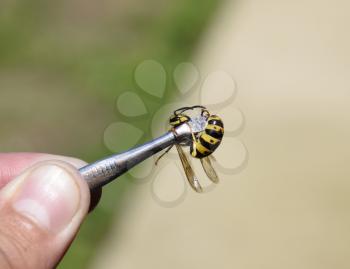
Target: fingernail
[[49, 196]]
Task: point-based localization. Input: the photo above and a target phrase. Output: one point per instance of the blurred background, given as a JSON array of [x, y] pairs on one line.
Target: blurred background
[[63, 64]]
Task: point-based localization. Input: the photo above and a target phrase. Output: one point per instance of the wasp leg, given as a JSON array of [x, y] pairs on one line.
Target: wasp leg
[[183, 109], [163, 154]]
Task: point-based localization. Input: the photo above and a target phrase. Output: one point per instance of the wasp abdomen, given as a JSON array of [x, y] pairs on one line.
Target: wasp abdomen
[[208, 140]]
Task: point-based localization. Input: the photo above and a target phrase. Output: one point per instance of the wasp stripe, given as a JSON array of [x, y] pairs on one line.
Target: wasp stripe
[[173, 119], [209, 139], [177, 120], [215, 117], [184, 118], [202, 149], [216, 122], [209, 142], [175, 123], [208, 146], [215, 127], [214, 133], [196, 153]]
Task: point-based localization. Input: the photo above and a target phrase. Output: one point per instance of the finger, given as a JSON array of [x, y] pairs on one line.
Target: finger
[[41, 211], [12, 164]]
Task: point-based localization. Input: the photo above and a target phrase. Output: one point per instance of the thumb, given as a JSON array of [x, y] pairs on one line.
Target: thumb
[[40, 213]]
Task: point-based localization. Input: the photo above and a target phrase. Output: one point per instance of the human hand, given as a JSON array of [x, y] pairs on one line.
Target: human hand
[[43, 201]]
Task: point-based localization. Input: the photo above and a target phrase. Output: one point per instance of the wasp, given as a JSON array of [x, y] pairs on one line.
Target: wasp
[[207, 134]]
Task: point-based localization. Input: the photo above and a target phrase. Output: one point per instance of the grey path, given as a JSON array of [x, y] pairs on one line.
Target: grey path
[[290, 207]]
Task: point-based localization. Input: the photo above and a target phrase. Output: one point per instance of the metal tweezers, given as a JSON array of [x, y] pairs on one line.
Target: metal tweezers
[[106, 170]]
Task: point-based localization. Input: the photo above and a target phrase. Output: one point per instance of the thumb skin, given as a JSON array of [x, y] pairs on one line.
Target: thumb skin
[[40, 213]]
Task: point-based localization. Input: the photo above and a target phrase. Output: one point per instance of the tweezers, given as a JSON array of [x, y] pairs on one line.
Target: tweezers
[[101, 172]]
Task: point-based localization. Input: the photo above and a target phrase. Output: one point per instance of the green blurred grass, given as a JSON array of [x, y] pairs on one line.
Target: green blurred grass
[[92, 51]]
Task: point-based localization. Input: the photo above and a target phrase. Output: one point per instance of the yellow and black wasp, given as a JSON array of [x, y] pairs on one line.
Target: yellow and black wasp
[[207, 134]]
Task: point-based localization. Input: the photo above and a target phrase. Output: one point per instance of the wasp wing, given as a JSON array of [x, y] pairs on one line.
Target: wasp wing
[[191, 177], [209, 169]]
